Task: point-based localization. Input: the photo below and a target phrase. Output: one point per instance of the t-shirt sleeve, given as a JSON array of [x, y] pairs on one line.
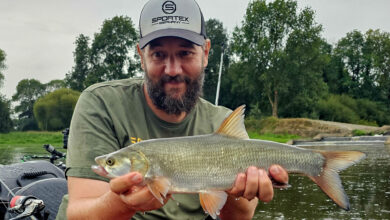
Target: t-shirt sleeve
[[91, 135]]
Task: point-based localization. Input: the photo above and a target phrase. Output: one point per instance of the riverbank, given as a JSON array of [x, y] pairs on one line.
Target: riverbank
[[312, 129]]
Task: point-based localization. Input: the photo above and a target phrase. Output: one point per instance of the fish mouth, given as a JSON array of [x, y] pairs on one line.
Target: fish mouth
[[99, 170]]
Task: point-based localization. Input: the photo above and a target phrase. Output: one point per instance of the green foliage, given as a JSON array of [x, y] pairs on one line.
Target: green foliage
[[32, 137], [110, 56], [358, 132], [5, 118], [54, 85], [281, 52], [27, 92], [332, 109], [15, 144], [75, 79], [281, 138], [110, 49], [2, 66], [219, 39], [256, 124], [363, 62], [54, 110], [26, 124], [255, 111], [343, 108], [234, 89]]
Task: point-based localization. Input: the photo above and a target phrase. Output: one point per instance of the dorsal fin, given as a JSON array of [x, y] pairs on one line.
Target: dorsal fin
[[233, 126]]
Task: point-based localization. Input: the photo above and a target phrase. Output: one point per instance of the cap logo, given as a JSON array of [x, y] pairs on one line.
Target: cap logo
[[169, 7]]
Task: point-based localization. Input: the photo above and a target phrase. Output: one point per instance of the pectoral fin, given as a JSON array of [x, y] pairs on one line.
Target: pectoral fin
[[212, 202], [159, 187]]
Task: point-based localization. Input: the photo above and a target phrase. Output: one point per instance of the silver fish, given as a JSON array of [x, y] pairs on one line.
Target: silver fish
[[208, 164]]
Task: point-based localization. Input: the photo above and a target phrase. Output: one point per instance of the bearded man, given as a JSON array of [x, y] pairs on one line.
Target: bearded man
[[174, 52]]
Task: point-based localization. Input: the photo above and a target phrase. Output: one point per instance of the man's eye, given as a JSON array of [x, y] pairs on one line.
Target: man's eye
[[185, 53], [158, 55]]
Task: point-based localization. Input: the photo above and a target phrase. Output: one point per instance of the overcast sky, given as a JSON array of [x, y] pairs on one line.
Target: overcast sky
[[38, 35]]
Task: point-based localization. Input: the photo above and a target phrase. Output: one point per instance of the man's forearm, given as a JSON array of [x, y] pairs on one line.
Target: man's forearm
[[99, 208], [238, 208]]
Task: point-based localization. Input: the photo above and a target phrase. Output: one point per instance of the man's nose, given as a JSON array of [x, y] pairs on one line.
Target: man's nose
[[173, 66]]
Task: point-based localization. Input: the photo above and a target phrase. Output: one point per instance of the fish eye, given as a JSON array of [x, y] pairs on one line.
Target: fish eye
[[110, 162]]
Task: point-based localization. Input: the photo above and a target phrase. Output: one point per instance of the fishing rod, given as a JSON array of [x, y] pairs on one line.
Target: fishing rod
[[7, 188], [25, 206]]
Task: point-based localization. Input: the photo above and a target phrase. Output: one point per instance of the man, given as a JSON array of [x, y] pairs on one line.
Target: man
[[174, 52]]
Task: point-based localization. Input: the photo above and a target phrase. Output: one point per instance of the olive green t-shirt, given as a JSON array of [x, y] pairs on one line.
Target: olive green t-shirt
[[112, 115]]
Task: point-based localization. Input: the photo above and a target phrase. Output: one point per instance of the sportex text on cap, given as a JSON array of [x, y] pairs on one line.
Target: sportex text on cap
[[173, 18]]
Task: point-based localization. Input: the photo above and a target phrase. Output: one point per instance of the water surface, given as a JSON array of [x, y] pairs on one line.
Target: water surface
[[367, 184]]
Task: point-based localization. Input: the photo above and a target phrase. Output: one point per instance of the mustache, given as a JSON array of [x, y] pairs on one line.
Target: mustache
[[177, 79]]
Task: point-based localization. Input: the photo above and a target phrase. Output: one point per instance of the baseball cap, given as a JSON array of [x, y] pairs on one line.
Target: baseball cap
[[171, 18]]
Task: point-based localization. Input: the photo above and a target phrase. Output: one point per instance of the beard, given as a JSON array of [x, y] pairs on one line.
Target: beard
[[169, 104]]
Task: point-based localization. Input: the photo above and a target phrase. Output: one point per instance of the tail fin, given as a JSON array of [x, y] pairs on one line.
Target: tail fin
[[329, 179]]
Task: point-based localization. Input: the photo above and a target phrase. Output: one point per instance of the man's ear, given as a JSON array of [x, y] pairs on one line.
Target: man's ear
[[140, 53], [206, 50]]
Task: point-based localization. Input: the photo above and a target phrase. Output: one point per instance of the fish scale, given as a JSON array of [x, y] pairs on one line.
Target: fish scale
[[214, 160], [209, 164]]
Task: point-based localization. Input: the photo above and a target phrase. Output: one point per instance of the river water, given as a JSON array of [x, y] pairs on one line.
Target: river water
[[367, 185]]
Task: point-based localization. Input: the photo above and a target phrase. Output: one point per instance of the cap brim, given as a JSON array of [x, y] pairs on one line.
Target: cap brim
[[185, 34]]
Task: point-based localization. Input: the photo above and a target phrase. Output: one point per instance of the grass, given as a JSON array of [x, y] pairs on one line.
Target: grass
[[16, 144], [281, 138], [31, 137]]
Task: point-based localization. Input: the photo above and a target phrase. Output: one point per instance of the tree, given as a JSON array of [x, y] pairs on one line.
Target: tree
[[273, 38], [335, 75], [2, 66], [218, 37], [27, 92], [365, 59], [113, 54], [75, 79], [350, 51], [5, 105], [54, 111], [380, 43], [305, 59], [54, 85], [5, 119]]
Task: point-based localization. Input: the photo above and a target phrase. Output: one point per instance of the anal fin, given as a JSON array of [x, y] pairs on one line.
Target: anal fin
[[159, 187], [212, 202]]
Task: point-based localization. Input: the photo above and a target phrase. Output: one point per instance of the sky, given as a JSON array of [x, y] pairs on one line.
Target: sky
[[38, 35]]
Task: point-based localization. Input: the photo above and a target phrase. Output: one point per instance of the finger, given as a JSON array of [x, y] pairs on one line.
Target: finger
[[279, 174], [266, 191], [138, 196], [143, 200], [239, 185], [252, 183], [124, 183]]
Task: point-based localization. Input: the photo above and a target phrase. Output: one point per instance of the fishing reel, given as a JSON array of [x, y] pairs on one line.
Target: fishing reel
[[27, 206]]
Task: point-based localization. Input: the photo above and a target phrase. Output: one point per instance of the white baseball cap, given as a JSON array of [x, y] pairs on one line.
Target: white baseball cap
[[172, 18]]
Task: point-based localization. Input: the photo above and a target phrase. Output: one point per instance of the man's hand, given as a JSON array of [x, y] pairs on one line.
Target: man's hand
[[133, 193], [257, 183]]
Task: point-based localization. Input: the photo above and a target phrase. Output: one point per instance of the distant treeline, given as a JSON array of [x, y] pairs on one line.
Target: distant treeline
[[276, 62]]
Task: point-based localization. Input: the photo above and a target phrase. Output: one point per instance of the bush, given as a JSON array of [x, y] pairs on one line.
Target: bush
[[26, 124], [5, 119], [343, 108], [372, 112], [261, 125], [333, 109], [54, 111], [358, 132]]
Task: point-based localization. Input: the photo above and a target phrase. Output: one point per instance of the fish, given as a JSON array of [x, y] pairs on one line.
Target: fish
[[208, 164]]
